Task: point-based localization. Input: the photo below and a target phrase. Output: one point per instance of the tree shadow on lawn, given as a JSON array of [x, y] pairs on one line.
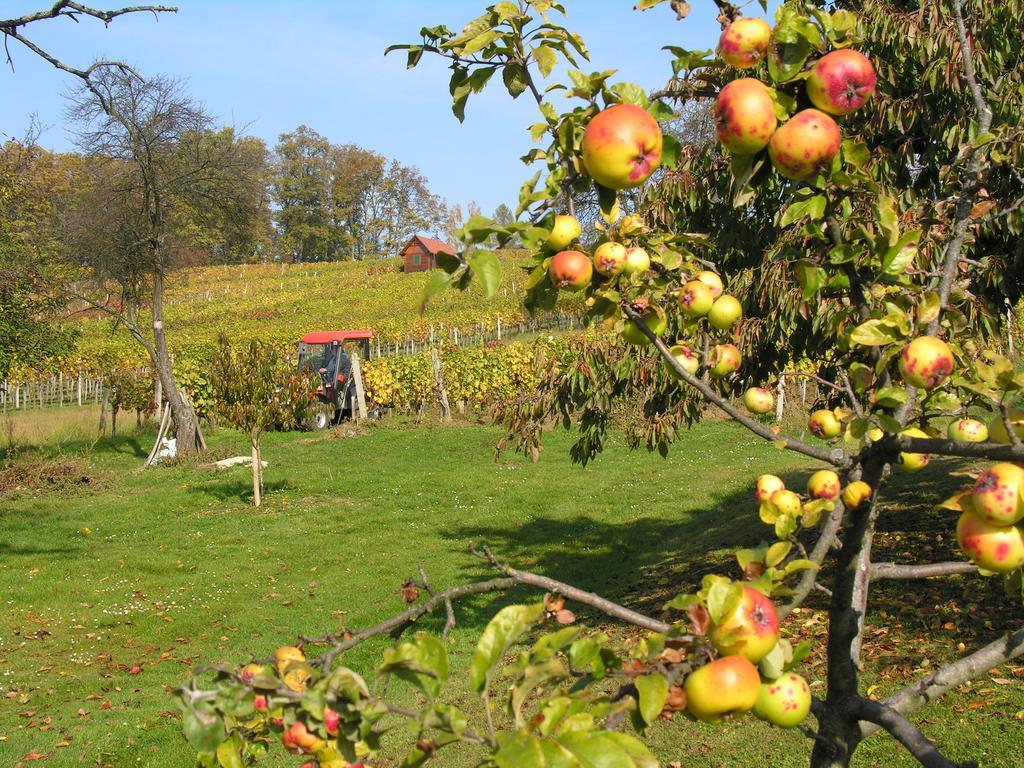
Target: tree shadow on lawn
[[10, 550], [638, 563], [236, 488], [643, 563]]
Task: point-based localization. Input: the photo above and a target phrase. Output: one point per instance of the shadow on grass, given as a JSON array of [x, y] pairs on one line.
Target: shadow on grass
[[10, 550], [643, 563], [236, 488], [638, 563]]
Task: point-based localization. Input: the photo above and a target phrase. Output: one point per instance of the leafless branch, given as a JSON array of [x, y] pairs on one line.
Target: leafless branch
[[923, 750], [931, 687], [449, 622], [9, 28], [403, 619], [898, 571], [573, 593]]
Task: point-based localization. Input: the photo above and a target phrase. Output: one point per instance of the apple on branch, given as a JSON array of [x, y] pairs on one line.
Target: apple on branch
[[744, 42], [563, 231], [686, 358], [784, 702], [804, 145], [571, 270], [759, 400], [751, 630], [622, 146], [726, 686], [841, 82], [610, 258], [744, 116]]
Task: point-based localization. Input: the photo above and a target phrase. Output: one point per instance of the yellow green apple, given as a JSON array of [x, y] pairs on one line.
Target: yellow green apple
[[785, 701], [926, 362], [823, 484], [725, 312], [622, 146], [998, 496], [696, 299], [610, 258], [751, 630], [912, 462], [996, 548], [563, 231], [726, 686]]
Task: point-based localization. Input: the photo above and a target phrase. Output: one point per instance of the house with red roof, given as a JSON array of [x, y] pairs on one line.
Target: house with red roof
[[420, 253]]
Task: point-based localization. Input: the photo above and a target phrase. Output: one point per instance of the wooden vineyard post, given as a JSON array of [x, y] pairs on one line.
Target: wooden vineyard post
[[442, 393], [357, 378]]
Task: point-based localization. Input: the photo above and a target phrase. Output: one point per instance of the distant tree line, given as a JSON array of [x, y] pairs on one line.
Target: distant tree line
[[303, 200]]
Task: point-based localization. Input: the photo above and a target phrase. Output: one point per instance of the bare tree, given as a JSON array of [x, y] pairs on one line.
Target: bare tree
[[159, 178]]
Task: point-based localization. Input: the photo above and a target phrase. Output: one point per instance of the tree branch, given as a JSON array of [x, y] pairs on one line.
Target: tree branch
[[835, 456], [580, 596], [932, 686], [898, 571], [809, 578], [403, 619], [68, 9], [905, 732], [449, 622], [941, 447]]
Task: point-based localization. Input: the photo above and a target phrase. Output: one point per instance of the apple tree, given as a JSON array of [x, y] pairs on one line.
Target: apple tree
[[255, 389], [857, 221]]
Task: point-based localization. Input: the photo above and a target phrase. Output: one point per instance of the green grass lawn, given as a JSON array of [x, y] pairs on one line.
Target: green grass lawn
[[113, 590]]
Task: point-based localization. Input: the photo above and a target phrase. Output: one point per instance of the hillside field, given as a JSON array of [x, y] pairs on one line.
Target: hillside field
[[277, 303]]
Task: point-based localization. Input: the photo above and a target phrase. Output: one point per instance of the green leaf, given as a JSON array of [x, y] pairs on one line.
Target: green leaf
[[203, 729], [480, 42], [422, 661], [795, 566], [229, 753], [518, 750], [885, 212], [515, 77], [722, 599], [874, 333], [812, 511], [928, 307], [891, 397], [902, 254], [630, 93], [503, 630], [653, 691], [813, 208], [546, 59], [777, 552], [670, 152], [486, 266], [810, 277], [773, 665], [785, 526], [596, 749]]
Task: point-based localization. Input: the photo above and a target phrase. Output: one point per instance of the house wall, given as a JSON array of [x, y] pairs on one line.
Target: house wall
[[414, 252]]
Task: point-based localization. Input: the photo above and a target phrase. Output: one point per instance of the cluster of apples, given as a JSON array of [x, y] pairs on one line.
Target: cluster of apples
[[732, 684], [298, 738], [621, 149], [573, 270], [988, 530], [823, 484], [838, 83]]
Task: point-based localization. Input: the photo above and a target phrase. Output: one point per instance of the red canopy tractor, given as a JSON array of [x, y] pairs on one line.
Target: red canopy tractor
[[329, 353]]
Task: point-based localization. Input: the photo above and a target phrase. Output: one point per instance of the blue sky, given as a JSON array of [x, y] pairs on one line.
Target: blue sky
[[271, 65]]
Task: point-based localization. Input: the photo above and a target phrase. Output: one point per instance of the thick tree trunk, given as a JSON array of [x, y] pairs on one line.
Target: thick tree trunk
[[257, 474], [186, 423], [839, 730]]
